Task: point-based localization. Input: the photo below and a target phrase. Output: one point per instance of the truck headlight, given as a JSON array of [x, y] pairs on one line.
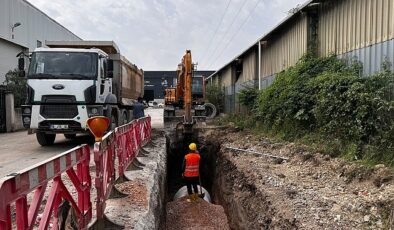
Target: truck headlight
[[27, 110], [26, 120], [94, 111]]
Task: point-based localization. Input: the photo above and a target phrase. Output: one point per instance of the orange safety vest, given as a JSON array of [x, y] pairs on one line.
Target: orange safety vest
[[192, 165]]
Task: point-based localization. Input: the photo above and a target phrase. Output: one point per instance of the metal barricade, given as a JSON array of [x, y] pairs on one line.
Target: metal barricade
[[127, 147], [104, 159], [124, 143], [16, 188]]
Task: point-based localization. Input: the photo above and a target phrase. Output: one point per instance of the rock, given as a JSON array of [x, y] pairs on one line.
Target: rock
[[367, 218], [281, 175], [379, 166]]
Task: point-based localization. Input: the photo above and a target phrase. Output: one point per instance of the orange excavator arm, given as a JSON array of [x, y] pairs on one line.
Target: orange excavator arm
[[188, 74]]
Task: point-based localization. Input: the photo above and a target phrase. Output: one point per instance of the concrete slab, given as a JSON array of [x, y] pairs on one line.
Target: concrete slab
[[143, 207]]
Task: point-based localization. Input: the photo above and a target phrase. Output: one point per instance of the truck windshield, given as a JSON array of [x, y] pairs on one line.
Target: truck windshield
[[63, 65]]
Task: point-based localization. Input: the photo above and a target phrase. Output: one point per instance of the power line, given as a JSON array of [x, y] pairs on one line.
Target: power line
[[228, 28], [216, 30], [239, 28]]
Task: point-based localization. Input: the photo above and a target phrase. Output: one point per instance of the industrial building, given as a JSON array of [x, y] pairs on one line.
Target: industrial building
[[157, 81], [350, 29], [23, 28]]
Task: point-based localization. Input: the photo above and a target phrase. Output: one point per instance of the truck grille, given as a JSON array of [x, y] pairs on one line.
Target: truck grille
[[59, 106]]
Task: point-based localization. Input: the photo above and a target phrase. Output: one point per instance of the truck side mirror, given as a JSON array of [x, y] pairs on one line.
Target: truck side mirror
[[110, 68], [21, 67], [21, 63]]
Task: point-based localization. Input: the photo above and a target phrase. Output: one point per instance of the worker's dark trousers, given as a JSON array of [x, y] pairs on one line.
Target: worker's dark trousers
[[191, 182]]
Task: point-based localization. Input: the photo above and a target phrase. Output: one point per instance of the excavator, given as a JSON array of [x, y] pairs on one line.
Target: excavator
[[186, 97]]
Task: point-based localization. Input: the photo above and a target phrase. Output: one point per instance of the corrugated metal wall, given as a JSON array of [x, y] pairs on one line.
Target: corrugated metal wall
[[285, 49], [347, 25], [226, 82], [249, 67]]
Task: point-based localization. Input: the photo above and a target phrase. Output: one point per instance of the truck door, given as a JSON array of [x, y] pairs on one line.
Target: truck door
[[105, 82]]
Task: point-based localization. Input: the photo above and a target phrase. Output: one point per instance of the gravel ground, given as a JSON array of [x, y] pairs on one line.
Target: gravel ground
[[198, 214], [309, 191]]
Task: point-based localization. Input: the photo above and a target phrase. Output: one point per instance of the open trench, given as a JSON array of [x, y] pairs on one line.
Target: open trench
[[209, 149]]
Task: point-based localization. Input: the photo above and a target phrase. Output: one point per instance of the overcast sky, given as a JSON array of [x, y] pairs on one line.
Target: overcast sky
[[154, 34]]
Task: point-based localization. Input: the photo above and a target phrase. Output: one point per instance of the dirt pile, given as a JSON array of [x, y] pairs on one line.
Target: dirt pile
[[198, 214], [309, 191]]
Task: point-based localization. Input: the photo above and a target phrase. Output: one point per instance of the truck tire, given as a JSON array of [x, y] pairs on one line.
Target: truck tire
[[114, 121], [45, 139], [210, 110], [125, 118], [70, 136]]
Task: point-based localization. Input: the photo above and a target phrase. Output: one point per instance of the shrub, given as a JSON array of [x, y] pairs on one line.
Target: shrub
[[248, 97], [215, 95], [17, 85], [328, 97]]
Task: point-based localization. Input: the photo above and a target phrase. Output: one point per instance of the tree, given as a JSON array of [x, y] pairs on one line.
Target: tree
[[17, 86]]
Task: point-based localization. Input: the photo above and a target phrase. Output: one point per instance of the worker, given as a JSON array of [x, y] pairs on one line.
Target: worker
[[138, 110], [191, 170]]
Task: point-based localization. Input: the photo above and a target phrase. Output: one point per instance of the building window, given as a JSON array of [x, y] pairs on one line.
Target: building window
[[39, 44]]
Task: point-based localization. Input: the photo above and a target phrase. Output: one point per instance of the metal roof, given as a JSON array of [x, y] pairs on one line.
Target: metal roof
[[265, 36]]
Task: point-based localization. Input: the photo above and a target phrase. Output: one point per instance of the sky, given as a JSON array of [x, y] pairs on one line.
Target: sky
[[154, 34]]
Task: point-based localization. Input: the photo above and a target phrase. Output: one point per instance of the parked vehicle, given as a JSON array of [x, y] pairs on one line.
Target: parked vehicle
[[72, 81]]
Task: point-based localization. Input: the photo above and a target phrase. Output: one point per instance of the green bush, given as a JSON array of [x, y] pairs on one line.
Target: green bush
[[248, 97], [17, 85], [328, 98], [215, 95], [287, 105]]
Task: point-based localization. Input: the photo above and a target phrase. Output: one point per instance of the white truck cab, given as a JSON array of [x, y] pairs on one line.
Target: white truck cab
[[66, 86]]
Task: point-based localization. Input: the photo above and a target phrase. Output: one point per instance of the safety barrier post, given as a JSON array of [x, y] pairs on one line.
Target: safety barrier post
[[126, 146], [104, 158], [17, 187]]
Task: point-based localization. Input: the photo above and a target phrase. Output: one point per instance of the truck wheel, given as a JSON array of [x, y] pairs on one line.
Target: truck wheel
[[210, 110], [70, 136], [45, 139], [124, 117]]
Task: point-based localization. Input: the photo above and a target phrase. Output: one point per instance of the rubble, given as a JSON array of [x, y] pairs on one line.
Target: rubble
[[308, 191], [197, 215]]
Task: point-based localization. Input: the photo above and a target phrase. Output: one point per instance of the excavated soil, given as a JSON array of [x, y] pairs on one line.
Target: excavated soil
[[196, 215], [308, 191]]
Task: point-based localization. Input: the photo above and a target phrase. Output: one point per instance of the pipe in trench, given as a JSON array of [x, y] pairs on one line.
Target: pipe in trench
[[182, 192]]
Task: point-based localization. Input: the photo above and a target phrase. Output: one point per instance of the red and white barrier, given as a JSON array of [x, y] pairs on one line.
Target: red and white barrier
[[124, 144], [104, 159], [15, 189], [130, 138]]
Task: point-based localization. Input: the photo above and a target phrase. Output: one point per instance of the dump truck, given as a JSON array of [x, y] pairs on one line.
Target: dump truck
[[70, 81]]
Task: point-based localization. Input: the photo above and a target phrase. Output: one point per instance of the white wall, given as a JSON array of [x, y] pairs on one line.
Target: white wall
[[8, 60], [35, 26]]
